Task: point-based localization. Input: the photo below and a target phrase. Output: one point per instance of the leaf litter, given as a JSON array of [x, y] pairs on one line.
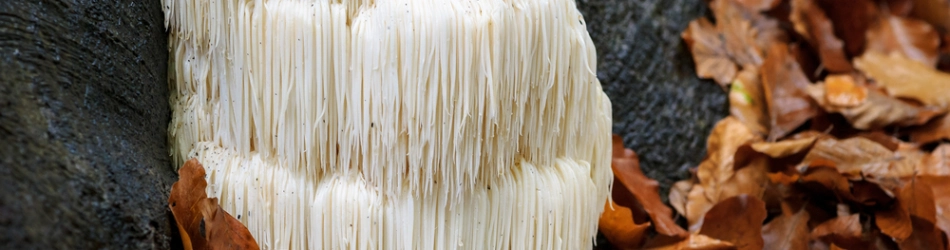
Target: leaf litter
[[838, 135]]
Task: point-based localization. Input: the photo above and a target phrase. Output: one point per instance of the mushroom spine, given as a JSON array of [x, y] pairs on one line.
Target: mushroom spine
[[394, 124]]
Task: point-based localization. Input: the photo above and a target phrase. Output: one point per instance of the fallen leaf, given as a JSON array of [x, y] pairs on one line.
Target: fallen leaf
[[906, 78], [618, 226], [899, 7], [936, 12], [718, 167], [829, 178], [185, 201], [758, 5], [223, 230], [678, 193], [734, 23], [811, 22], [925, 236], [784, 83], [866, 109], [936, 163], [645, 190], [842, 231], [858, 157], [913, 199], [940, 186], [709, 52], [747, 101], [935, 130], [696, 242], [788, 231], [851, 20], [737, 220], [913, 38], [716, 172], [918, 198], [784, 148], [202, 222]]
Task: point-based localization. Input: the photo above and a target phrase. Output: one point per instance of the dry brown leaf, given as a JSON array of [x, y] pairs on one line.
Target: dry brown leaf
[[709, 52], [203, 224], [788, 231], [678, 194], [645, 190], [899, 7], [856, 157], [940, 186], [696, 242], [734, 23], [874, 111], [918, 198], [618, 226], [716, 173], [758, 5], [851, 20], [784, 148], [747, 101], [936, 163], [223, 230], [737, 220], [935, 130], [906, 78], [718, 167], [914, 199], [913, 38], [842, 231], [185, 201], [925, 236], [811, 22], [936, 12], [784, 84], [828, 177]]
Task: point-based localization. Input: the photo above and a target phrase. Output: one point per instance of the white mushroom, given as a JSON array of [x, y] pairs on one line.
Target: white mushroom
[[394, 124]]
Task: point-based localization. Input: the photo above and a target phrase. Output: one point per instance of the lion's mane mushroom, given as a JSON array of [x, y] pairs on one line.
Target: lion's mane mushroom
[[394, 124]]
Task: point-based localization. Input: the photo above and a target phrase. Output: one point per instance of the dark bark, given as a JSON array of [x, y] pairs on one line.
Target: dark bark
[[662, 110], [83, 117]]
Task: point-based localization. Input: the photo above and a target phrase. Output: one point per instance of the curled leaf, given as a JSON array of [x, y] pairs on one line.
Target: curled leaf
[[646, 191], [785, 92], [618, 226], [811, 22], [843, 231], [186, 200]]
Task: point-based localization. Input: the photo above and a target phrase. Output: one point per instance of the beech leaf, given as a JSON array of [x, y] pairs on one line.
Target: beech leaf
[[747, 100], [785, 92], [709, 52], [866, 109], [223, 230], [645, 190], [843, 231], [912, 38], [186, 200], [788, 231], [811, 22], [935, 130], [907, 78], [737, 220], [618, 226]]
